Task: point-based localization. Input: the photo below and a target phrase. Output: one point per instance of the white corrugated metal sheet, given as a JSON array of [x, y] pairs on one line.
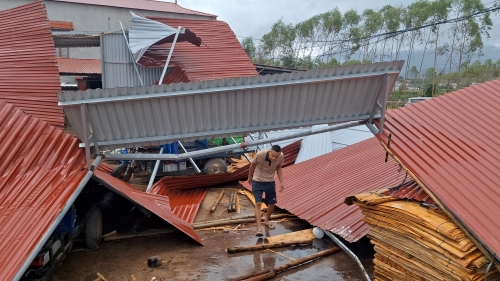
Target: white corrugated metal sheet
[[186, 111], [275, 134], [315, 145], [349, 136], [117, 64]]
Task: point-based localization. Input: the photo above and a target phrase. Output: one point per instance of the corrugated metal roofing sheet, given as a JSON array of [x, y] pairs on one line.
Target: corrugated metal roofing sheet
[[220, 56], [349, 136], [157, 204], [186, 182], [315, 145], [61, 25], [79, 66], [147, 5], [40, 170], [409, 190], [315, 189], [177, 75], [451, 143], [29, 77], [184, 203], [136, 116]]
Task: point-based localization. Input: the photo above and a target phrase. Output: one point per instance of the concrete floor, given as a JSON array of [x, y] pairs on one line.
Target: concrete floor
[[184, 259]]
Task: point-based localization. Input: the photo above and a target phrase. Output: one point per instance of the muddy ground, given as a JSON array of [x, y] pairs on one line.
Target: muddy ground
[[184, 259]]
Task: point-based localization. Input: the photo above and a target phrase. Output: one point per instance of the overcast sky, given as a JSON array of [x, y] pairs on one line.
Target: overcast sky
[[255, 17]]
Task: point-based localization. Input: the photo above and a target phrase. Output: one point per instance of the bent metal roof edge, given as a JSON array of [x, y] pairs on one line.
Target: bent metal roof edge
[[228, 106]]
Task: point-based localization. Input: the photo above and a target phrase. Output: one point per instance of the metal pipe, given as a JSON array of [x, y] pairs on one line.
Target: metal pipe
[[153, 174], [349, 253], [205, 152], [58, 219], [169, 56], [258, 147], [190, 159], [244, 154], [131, 55], [265, 134]]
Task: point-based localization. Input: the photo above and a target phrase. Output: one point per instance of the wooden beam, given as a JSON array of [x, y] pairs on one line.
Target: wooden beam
[[216, 203], [266, 246]]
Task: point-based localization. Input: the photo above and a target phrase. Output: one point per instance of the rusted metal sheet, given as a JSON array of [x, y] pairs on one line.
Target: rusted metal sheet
[[220, 55], [409, 190], [72, 66], [61, 25], [40, 170], [315, 189], [186, 182], [147, 5], [451, 144], [159, 205], [29, 77]]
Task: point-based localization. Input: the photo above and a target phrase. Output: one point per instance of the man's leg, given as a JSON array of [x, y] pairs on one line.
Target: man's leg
[[270, 209], [257, 193]]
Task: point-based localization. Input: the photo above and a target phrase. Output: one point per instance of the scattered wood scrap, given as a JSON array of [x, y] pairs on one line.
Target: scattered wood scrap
[[148, 233], [216, 203], [302, 235], [266, 246], [252, 199], [231, 206], [238, 220], [101, 277], [238, 206]]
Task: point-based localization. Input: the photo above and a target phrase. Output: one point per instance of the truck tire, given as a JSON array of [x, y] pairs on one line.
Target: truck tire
[[119, 172], [93, 228], [215, 166]]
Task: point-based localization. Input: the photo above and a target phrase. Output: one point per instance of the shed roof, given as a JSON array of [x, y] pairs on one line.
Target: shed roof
[[451, 143], [220, 55], [315, 189], [74, 66], [148, 5], [29, 77], [231, 106]]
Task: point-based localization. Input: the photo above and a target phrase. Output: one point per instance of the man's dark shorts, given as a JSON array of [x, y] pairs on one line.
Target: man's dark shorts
[[269, 188]]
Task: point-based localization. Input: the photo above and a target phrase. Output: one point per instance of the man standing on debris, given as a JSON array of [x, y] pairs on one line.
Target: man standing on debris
[[261, 177]]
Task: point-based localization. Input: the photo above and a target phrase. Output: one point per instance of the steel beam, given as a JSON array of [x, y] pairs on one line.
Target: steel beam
[[210, 151]]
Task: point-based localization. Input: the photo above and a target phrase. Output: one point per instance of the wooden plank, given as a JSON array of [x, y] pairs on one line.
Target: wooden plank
[[265, 246], [216, 203], [252, 199], [302, 235]]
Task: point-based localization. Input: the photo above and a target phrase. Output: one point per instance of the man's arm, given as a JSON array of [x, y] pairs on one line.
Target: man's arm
[[280, 177], [251, 170]]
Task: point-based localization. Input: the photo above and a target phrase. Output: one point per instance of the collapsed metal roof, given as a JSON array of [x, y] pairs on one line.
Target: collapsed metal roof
[[28, 68], [451, 143], [315, 189], [186, 111]]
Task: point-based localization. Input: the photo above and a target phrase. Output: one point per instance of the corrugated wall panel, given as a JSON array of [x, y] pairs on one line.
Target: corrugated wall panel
[[187, 111], [451, 143], [29, 77]]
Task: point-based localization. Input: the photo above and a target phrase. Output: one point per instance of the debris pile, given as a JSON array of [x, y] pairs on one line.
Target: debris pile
[[413, 241]]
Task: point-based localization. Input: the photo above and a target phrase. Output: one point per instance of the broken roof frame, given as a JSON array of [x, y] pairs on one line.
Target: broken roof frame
[[356, 94]]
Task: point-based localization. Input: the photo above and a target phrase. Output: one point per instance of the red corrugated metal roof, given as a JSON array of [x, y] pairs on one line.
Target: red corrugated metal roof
[[175, 76], [40, 168], [185, 203], [221, 57], [147, 5], [451, 143], [75, 66], [61, 25], [29, 77], [409, 190], [315, 189], [185, 182], [157, 204]]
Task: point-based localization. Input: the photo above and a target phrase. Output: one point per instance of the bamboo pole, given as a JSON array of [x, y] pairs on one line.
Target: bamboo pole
[[266, 246], [232, 221], [216, 203], [250, 275], [442, 206]]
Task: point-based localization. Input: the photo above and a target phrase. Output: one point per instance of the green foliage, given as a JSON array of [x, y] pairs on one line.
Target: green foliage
[[249, 47]]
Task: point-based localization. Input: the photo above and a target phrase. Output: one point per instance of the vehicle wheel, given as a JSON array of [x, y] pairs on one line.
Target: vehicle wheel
[[215, 166], [93, 228], [119, 172]]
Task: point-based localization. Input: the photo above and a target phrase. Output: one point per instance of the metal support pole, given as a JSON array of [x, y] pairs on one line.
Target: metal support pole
[[265, 134], [131, 55], [258, 147], [83, 109], [225, 148], [348, 252], [190, 159], [153, 174], [244, 154], [169, 56]]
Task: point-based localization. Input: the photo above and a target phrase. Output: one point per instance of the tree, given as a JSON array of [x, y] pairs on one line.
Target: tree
[[249, 47]]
